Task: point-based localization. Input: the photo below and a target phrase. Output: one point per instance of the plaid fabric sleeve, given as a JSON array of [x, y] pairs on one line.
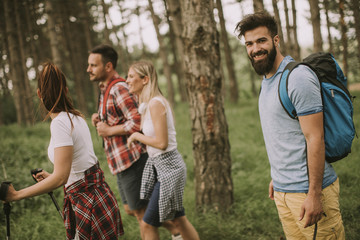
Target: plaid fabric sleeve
[[128, 106]]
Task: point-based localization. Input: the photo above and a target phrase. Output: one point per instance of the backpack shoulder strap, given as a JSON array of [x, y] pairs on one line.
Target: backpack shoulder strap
[[106, 94], [283, 90]]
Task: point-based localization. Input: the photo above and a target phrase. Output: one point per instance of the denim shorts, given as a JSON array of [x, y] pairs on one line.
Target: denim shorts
[[151, 215], [129, 183]]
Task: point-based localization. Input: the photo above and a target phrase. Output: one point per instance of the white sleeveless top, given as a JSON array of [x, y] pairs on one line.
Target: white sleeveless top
[[148, 129]]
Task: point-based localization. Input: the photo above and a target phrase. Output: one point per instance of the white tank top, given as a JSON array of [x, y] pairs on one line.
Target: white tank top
[[148, 129]]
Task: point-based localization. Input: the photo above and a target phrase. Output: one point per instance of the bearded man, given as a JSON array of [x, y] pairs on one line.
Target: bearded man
[[304, 186]]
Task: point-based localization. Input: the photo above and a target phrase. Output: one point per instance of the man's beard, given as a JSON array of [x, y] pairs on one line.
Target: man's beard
[[98, 78], [263, 66]]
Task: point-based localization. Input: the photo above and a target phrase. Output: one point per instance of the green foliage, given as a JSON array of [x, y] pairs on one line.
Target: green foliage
[[253, 215]]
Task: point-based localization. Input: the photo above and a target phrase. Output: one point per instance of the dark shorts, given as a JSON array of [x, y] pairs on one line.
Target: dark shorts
[[129, 183], [151, 215]]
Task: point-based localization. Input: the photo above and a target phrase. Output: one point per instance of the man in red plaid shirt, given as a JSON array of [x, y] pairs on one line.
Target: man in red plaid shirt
[[115, 121]]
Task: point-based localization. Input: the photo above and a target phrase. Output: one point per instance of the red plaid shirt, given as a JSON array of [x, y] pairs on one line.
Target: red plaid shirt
[[91, 209], [121, 108]]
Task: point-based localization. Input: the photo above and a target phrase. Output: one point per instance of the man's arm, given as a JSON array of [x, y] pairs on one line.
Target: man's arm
[[312, 128], [128, 107]]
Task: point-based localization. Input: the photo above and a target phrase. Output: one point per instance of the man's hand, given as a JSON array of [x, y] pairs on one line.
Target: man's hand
[[313, 209], [95, 119], [271, 190], [103, 129]]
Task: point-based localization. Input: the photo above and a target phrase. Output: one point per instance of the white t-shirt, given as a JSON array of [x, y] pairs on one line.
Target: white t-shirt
[[79, 137], [148, 129]]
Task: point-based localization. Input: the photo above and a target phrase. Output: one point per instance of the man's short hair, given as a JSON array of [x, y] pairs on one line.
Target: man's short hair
[[107, 53], [255, 20]]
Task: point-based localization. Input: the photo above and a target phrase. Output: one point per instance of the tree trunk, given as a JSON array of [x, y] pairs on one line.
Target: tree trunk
[[355, 7], [30, 27], [296, 55], [127, 56], [140, 30], [85, 19], [328, 24], [163, 55], [53, 36], [258, 5], [174, 12], [71, 40], [344, 39], [122, 56], [233, 85], [29, 106], [213, 182], [177, 63], [280, 32], [289, 43], [106, 32], [16, 71], [316, 24]]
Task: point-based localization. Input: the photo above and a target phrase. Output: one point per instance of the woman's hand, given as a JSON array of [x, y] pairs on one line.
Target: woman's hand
[[11, 194], [41, 175], [131, 139]]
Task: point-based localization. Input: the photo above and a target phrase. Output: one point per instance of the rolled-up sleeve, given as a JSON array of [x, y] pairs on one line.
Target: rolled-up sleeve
[[128, 105]]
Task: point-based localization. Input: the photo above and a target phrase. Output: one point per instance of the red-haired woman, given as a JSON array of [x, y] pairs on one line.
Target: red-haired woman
[[90, 208]]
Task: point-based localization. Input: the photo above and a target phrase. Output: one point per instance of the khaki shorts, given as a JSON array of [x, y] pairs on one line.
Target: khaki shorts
[[329, 227]]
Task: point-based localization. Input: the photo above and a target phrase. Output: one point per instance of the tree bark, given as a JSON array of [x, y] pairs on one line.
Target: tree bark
[[211, 147], [29, 106], [258, 5], [289, 42], [233, 85], [344, 39], [177, 63], [30, 27], [296, 53], [16, 71], [140, 30], [122, 56], [127, 56], [163, 55], [355, 7], [84, 18], [316, 25], [280, 32], [174, 12], [328, 24], [71, 40], [53, 36]]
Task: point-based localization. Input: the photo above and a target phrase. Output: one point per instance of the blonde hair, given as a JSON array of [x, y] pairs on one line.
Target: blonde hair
[[151, 89]]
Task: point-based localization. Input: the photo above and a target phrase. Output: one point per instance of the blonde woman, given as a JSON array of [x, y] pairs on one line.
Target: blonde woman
[[164, 174]]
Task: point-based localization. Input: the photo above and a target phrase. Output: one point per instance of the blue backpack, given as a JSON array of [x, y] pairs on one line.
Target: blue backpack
[[339, 127]]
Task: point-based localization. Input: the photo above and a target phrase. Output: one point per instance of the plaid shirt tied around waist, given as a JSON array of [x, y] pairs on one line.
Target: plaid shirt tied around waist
[[170, 170], [91, 209], [121, 109]]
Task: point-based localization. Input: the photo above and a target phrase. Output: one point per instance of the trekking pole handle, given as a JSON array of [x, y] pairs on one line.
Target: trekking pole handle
[[36, 171]]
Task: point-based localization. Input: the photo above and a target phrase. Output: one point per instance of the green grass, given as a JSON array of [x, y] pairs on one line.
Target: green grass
[[253, 215]]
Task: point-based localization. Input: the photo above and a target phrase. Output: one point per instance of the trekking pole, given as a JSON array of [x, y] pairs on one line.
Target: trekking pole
[[36, 171], [7, 207]]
